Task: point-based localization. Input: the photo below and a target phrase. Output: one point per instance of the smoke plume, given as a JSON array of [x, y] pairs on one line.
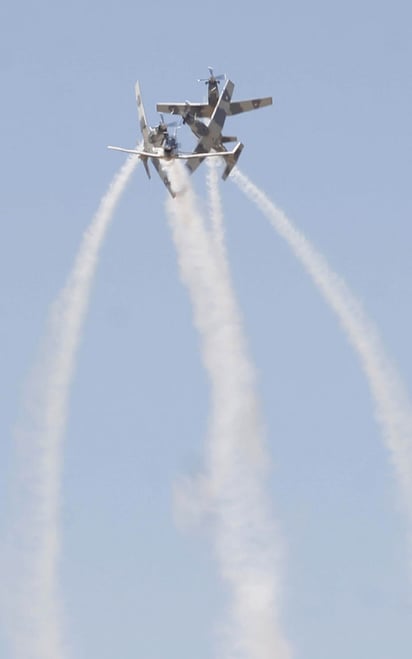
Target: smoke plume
[[246, 539], [392, 405], [33, 608]]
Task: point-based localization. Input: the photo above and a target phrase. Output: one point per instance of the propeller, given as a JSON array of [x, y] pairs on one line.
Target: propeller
[[171, 124], [212, 77]]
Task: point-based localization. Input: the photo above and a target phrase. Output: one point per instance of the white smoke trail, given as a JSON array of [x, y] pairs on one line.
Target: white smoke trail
[[247, 542], [34, 611], [215, 207], [392, 406]]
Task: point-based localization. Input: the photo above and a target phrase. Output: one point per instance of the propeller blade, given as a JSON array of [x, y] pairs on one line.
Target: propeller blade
[[171, 124], [212, 76]]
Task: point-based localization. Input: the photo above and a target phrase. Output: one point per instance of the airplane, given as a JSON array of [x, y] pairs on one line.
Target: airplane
[[210, 135], [159, 145], [190, 111]]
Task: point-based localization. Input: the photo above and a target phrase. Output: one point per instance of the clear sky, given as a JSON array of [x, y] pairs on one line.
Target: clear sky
[[335, 152]]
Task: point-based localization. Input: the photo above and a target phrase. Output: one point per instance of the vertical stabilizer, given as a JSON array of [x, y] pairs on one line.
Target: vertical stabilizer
[[231, 159]]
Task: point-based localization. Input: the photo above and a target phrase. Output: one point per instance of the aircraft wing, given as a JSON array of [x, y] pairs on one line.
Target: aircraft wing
[[236, 107], [139, 152], [189, 156], [195, 159], [163, 175], [120, 148], [142, 117], [197, 109]]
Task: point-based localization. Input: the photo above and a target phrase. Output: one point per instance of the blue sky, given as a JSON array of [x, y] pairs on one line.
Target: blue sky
[[335, 152]]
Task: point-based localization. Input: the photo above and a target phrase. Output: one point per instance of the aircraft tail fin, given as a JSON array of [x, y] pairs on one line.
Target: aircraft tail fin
[[231, 159]]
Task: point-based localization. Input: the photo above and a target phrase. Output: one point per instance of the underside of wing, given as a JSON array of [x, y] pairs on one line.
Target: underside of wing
[[150, 154], [189, 156], [120, 148], [236, 107]]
